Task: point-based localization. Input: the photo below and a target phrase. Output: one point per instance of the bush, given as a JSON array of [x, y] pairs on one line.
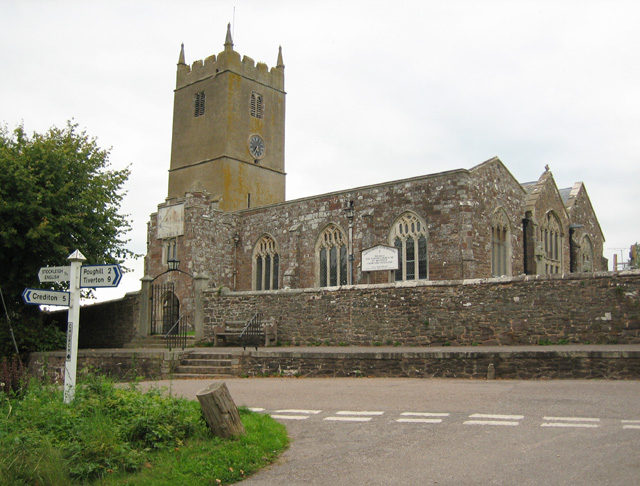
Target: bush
[[117, 433], [31, 335], [12, 375]]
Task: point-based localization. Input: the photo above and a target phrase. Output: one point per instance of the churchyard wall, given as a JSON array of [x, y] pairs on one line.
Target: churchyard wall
[[554, 309]]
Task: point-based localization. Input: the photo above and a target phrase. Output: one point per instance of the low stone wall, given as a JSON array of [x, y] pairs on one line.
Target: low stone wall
[[508, 363], [532, 362], [120, 364], [577, 308]]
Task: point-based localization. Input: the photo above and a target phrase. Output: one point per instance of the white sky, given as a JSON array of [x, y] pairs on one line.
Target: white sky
[[377, 90]]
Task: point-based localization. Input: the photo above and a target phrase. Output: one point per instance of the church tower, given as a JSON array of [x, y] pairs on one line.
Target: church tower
[[228, 130]]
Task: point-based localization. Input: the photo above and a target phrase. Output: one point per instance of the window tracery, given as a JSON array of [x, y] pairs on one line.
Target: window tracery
[[500, 244], [266, 264], [332, 257], [409, 236]]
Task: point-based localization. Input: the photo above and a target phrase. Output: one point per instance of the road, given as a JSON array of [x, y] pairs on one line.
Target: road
[[360, 431]]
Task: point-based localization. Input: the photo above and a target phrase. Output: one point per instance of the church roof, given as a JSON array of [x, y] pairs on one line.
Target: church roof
[[564, 194]]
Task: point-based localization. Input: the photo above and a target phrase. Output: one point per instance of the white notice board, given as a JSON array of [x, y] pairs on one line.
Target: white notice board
[[379, 257]]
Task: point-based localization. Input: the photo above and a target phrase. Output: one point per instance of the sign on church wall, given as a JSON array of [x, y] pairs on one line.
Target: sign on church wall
[[171, 221], [379, 257]]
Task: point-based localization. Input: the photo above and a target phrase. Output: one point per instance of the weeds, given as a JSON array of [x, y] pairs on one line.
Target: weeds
[[113, 435], [12, 375]]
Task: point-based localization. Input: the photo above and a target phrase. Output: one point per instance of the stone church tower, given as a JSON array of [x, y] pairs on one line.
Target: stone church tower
[[228, 130]]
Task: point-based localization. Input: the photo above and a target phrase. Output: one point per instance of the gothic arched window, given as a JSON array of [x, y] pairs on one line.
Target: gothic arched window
[[331, 251], [409, 236], [551, 242], [266, 263], [586, 254], [500, 244]]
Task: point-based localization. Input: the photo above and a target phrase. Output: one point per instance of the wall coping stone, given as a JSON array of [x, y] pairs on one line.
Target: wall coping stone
[[429, 283]]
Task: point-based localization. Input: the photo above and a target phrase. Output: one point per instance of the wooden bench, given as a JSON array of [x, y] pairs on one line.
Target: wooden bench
[[231, 330]]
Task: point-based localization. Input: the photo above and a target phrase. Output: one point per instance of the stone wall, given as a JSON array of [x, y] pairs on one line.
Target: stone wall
[[109, 324], [121, 364], [577, 308], [539, 362], [618, 362]]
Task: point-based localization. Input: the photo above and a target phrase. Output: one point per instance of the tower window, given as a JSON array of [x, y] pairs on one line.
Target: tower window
[[170, 250], [257, 105], [198, 104]]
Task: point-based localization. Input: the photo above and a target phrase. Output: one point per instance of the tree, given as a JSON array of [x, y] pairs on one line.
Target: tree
[[57, 194]]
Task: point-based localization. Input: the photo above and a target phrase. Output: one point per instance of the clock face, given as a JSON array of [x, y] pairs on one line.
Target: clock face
[[256, 147]]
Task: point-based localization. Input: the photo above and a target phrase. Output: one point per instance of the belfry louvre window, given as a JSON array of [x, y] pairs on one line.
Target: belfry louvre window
[[409, 236], [266, 264], [500, 244], [332, 257], [257, 105], [199, 104]]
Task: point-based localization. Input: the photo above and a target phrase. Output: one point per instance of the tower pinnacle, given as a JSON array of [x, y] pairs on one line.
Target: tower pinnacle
[[280, 63], [228, 42], [181, 58]]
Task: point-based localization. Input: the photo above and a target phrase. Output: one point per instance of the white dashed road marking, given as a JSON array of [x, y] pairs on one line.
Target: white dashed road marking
[[487, 419], [290, 417], [421, 417], [577, 422], [631, 424], [349, 416], [294, 414], [306, 412], [359, 413], [348, 419], [438, 418]]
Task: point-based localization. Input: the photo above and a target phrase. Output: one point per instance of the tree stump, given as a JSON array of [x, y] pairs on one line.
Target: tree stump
[[220, 411]]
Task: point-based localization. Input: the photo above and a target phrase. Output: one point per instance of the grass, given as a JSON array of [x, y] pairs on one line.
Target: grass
[[119, 435]]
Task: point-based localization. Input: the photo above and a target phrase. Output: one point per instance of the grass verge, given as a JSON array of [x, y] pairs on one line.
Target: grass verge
[[114, 436]]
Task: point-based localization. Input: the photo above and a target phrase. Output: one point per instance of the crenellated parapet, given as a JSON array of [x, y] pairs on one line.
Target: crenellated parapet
[[230, 61]]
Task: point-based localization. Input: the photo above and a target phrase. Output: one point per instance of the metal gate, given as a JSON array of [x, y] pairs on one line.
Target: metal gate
[[165, 309]]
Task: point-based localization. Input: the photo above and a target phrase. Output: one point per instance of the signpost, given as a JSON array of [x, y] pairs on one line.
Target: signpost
[[93, 276], [54, 274], [78, 276], [45, 297]]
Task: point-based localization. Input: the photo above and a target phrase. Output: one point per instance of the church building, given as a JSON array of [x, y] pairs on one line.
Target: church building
[[226, 221]]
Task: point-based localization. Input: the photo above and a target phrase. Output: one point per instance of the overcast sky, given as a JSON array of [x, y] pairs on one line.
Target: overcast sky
[[376, 91]]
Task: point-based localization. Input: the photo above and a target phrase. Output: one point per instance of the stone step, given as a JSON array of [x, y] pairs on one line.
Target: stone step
[[207, 362], [205, 355], [156, 342], [204, 370], [198, 376]]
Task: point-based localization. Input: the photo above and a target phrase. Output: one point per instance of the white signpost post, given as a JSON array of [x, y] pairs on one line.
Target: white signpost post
[[78, 276], [73, 321]]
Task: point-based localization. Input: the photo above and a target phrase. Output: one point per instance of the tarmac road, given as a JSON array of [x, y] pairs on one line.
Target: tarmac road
[[361, 431]]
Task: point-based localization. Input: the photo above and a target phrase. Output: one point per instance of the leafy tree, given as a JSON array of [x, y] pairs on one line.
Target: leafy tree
[[57, 194]]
